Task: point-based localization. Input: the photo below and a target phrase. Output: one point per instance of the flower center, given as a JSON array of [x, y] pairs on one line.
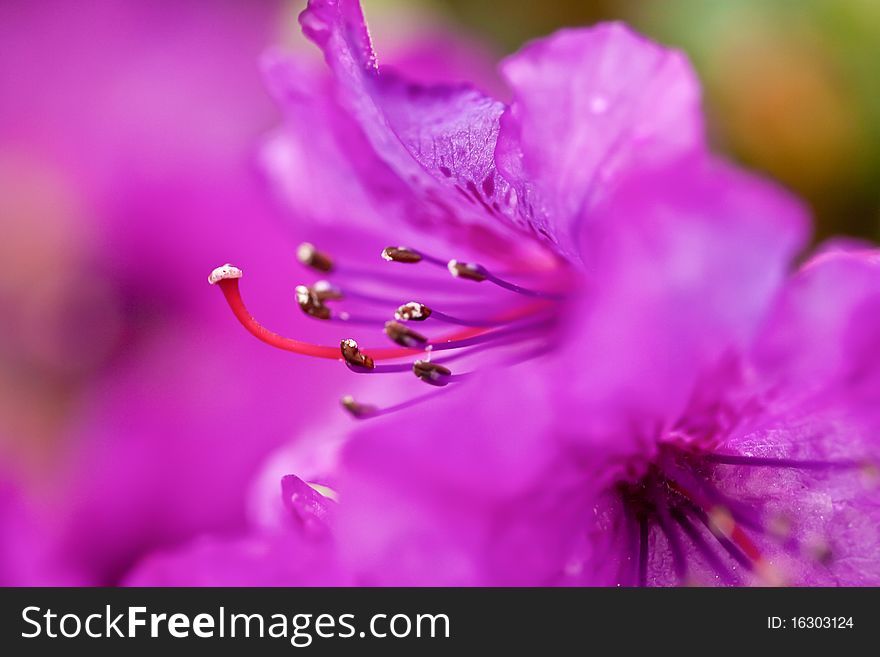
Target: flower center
[[503, 316], [678, 509]]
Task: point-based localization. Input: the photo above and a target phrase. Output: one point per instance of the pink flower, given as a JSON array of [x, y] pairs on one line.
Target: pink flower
[[636, 396]]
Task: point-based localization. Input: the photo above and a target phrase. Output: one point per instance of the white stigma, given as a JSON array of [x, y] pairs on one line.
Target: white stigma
[[223, 273]]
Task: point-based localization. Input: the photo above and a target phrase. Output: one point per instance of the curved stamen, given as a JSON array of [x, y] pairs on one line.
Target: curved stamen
[[672, 540], [721, 536], [644, 531], [735, 459], [226, 278], [693, 533], [419, 312]]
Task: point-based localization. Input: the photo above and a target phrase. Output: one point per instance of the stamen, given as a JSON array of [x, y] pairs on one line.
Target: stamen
[[227, 276], [354, 357], [693, 534], [643, 549], [735, 459], [419, 312], [468, 271], [310, 304], [432, 373], [308, 255], [366, 411], [413, 311], [658, 498], [404, 336], [719, 533], [672, 539], [626, 566], [401, 254], [326, 291], [358, 410]]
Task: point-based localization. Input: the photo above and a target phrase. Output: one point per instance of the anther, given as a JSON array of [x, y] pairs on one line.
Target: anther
[[354, 357], [401, 254], [467, 270], [412, 311], [821, 552], [326, 291], [310, 303], [358, 410], [431, 373], [308, 255], [223, 273], [404, 336]]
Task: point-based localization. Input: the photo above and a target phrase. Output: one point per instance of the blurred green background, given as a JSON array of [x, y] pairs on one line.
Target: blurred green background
[[792, 87]]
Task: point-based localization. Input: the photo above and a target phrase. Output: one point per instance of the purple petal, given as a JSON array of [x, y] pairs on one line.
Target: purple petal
[[824, 518], [437, 141], [309, 509], [425, 493], [589, 104], [682, 266], [825, 330], [253, 560]]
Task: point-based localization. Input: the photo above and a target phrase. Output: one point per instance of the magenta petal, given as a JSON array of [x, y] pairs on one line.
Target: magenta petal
[[825, 330], [438, 141], [420, 490], [682, 268], [309, 509], [588, 104], [281, 559]]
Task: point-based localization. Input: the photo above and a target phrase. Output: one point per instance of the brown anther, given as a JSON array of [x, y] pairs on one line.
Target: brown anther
[[467, 270], [310, 304], [432, 373], [358, 410], [324, 291], [308, 255], [404, 336], [354, 357], [401, 254], [412, 311]]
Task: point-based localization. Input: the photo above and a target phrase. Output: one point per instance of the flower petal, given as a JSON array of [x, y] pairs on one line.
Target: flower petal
[[426, 494], [589, 104], [682, 266], [283, 559], [437, 141], [825, 329]]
